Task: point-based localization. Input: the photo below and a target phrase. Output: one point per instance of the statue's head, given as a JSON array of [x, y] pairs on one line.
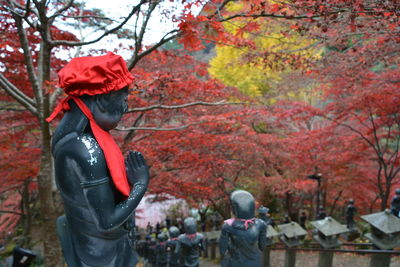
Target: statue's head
[[351, 201], [190, 225], [263, 210], [243, 206], [162, 237], [173, 231], [108, 109], [102, 83], [397, 191]]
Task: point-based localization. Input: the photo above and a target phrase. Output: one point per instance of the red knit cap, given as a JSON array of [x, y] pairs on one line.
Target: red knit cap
[[94, 75]]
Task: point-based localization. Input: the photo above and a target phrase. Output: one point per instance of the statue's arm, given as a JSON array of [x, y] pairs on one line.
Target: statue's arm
[[202, 243], [223, 241], [177, 247], [262, 238], [98, 189]]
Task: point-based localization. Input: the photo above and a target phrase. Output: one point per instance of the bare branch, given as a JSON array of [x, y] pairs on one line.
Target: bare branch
[[10, 211], [129, 135], [70, 43], [199, 103], [154, 128], [27, 57], [61, 10], [139, 39], [272, 15], [18, 95], [135, 59]]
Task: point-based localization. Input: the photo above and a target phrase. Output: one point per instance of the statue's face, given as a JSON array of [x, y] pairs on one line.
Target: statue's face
[[114, 105]]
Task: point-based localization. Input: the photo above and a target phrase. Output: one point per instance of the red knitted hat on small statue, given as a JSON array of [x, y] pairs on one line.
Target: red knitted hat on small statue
[[94, 76]]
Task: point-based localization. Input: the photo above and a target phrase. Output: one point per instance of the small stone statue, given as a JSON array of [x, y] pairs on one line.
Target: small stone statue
[[161, 250], [264, 215], [99, 192], [303, 219], [395, 204], [152, 252], [243, 237], [173, 247], [191, 242], [351, 210], [321, 213]]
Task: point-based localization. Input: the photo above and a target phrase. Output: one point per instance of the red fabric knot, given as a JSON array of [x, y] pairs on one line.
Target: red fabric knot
[[191, 236], [246, 221], [173, 238], [62, 106]]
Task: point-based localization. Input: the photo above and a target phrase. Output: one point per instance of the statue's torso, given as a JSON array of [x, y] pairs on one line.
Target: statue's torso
[[91, 247], [243, 244], [190, 248]]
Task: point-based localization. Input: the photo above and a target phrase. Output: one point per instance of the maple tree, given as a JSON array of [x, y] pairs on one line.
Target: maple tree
[[356, 76]]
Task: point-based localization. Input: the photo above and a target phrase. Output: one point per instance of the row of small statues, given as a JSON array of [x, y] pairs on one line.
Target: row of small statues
[[173, 248], [241, 242]]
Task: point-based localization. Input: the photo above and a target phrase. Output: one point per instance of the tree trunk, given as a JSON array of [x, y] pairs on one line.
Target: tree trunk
[[52, 249], [384, 200]]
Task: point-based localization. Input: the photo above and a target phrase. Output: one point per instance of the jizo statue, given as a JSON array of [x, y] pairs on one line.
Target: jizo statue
[[191, 243], [173, 247], [351, 211], [243, 237], [395, 204], [99, 188]]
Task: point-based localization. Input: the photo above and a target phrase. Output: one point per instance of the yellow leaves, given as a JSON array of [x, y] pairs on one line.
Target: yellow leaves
[[257, 72], [230, 68]]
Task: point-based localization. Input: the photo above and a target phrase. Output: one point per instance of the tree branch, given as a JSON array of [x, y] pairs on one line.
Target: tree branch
[[10, 211], [60, 11], [154, 128], [70, 43], [18, 95], [199, 103], [139, 39], [28, 58], [134, 60]]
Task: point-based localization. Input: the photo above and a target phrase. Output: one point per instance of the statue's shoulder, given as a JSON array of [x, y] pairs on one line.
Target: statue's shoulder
[[200, 236], [260, 224], [83, 148]]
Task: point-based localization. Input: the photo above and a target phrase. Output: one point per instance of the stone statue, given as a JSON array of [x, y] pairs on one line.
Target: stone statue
[[99, 192], [264, 215], [152, 252], [395, 204], [351, 210], [321, 213], [243, 237], [161, 250], [173, 247], [191, 243], [303, 219]]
